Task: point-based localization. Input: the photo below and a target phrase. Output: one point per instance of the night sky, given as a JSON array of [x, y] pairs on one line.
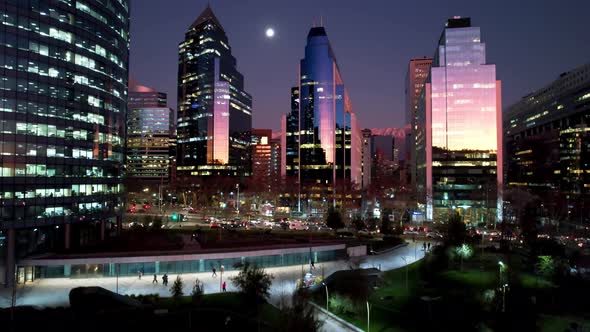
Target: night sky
[[530, 41]]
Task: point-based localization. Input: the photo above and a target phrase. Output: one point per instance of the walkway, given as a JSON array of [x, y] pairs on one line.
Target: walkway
[[54, 292]]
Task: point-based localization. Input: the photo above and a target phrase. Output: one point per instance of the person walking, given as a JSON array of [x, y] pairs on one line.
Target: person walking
[[139, 274], [214, 273], [223, 287], [424, 246], [428, 246], [155, 279]]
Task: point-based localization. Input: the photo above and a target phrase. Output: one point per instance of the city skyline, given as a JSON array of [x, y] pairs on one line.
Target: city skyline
[[376, 39]]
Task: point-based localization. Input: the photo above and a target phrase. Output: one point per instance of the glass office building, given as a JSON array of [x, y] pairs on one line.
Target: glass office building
[[547, 139], [62, 123], [214, 110], [323, 139], [458, 136], [150, 138]]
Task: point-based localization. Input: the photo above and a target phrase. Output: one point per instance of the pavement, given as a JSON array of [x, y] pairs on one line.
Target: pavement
[[54, 292]]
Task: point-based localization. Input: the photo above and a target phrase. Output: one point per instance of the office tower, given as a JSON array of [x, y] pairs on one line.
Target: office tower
[[324, 149], [416, 76], [458, 137], [64, 100], [367, 159], [547, 139], [262, 168], [214, 110], [418, 70], [150, 138]]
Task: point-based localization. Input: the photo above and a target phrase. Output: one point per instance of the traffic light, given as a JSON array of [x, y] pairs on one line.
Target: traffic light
[[174, 217]]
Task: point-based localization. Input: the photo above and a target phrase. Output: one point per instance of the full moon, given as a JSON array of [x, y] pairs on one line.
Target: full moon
[[270, 32]]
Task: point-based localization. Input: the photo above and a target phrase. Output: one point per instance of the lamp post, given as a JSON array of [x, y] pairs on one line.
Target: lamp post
[[327, 297], [368, 316], [238, 198], [501, 267]]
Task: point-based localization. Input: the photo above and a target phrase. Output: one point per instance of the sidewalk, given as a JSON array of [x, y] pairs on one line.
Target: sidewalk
[[54, 292]]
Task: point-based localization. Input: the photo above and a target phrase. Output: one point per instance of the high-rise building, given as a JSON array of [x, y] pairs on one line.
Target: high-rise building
[[323, 139], [547, 137], [418, 70], [150, 138], [64, 101], [458, 137], [214, 110], [262, 167], [367, 158]]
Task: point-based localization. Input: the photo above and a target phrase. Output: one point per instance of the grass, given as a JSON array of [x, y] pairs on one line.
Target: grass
[[547, 323], [472, 278], [534, 282]]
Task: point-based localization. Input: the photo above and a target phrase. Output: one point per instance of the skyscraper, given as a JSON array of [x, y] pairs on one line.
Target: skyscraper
[[214, 110], [150, 138], [64, 101], [323, 139], [458, 140], [418, 70], [547, 136]]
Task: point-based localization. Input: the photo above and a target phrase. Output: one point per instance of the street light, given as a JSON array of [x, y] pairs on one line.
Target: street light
[[327, 298], [502, 267], [238, 197], [368, 316]]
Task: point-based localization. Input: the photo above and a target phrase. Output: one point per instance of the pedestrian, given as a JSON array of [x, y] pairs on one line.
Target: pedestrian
[[424, 246], [428, 246], [312, 265], [165, 279], [155, 279], [139, 274], [214, 274], [223, 287]]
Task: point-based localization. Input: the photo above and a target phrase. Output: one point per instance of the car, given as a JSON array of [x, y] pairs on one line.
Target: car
[[187, 208], [434, 235], [214, 225]]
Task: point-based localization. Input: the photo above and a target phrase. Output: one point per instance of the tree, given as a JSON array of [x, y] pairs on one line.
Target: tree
[[546, 266], [299, 316], [197, 292], [253, 282], [176, 289], [464, 251], [385, 222], [358, 222], [455, 230], [334, 219]]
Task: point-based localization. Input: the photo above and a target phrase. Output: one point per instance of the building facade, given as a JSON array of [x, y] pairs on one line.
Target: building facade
[[214, 111], [150, 138], [418, 70], [458, 136], [367, 153], [547, 139], [262, 163], [64, 100], [323, 138]]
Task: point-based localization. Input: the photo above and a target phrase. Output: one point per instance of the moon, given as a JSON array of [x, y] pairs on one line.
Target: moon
[[270, 32]]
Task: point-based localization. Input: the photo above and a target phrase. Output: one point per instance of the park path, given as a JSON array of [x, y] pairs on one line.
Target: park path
[[54, 292]]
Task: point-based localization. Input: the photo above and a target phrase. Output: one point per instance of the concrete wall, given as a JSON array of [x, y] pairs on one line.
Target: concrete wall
[[356, 251]]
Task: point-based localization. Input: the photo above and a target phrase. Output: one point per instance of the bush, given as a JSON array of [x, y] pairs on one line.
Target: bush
[[342, 305]]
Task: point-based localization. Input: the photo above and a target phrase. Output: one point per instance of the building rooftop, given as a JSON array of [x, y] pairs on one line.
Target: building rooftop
[[206, 16]]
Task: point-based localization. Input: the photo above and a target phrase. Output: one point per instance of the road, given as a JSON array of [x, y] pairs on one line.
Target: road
[[54, 292]]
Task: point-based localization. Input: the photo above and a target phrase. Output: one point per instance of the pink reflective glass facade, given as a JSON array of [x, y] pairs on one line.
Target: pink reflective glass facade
[[463, 123], [221, 123]]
